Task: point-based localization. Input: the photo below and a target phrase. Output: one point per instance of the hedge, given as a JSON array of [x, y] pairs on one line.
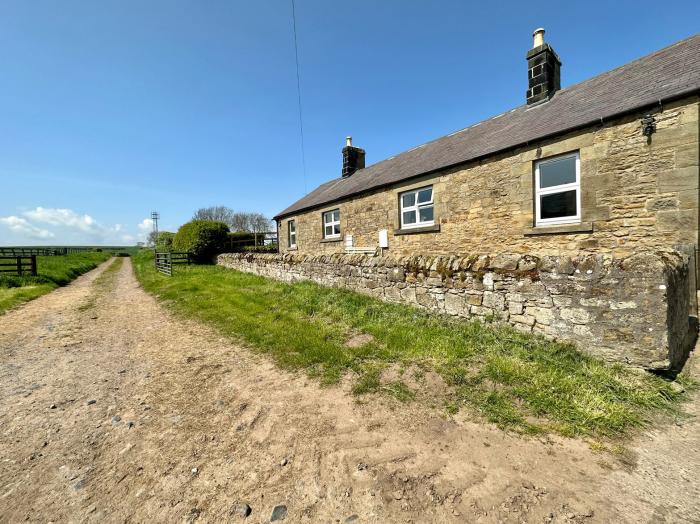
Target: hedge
[[203, 238]]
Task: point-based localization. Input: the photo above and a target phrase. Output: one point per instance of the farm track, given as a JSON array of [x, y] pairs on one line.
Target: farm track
[[187, 426]]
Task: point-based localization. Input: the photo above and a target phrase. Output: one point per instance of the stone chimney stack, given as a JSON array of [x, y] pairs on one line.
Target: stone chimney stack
[[543, 66], [353, 158]]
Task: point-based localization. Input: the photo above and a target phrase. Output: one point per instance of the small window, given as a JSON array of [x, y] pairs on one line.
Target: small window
[[417, 208], [292, 233], [331, 224], [558, 190]]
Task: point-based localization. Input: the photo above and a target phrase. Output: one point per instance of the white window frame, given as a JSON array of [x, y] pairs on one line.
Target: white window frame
[[574, 219], [416, 207], [292, 224], [331, 223]]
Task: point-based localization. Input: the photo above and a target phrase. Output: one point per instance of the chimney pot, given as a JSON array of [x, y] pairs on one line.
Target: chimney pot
[[348, 141], [538, 37]]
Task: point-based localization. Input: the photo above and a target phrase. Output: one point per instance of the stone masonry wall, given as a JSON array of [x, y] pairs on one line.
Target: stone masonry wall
[[635, 196], [632, 310]]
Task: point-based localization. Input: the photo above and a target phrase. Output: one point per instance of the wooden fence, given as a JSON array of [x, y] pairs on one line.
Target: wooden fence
[[181, 257], [18, 264], [29, 251], [43, 251], [265, 242]]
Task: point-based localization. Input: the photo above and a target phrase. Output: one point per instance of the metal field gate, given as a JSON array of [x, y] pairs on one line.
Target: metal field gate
[[164, 263], [166, 260]]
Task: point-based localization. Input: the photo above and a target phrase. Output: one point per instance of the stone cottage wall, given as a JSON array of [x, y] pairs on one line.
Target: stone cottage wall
[[635, 196], [632, 310]]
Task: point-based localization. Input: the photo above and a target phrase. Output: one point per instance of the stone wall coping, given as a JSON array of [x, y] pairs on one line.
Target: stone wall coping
[[582, 263]]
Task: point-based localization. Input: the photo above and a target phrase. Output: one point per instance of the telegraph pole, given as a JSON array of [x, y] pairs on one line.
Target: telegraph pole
[[154, 218]]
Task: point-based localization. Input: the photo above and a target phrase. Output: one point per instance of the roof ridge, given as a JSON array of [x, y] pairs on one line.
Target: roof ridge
[[627, 64], [562, 90]]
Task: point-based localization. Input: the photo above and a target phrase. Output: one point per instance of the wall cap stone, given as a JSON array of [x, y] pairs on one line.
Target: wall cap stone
[[582, 264]]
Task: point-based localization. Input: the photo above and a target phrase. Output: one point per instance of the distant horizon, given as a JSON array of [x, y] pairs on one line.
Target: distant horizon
[[115, 110], [46, 246]]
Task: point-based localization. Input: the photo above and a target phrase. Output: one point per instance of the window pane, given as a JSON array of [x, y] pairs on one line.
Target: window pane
[[426, 214], [408, 199], [291, 226], [425, 195], [336, 229], [327, 218], [558, 172], [336, 216], [329, 231], [558, 205], [409, 217]]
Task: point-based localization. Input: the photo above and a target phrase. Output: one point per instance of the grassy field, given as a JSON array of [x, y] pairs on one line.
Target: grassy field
[[520, 382], [52, 272]]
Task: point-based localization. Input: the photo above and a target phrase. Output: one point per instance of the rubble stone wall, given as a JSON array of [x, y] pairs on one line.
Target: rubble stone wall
[[632, 310]]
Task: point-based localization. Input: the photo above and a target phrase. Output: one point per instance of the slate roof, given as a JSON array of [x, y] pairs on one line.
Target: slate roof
[[669, 73]]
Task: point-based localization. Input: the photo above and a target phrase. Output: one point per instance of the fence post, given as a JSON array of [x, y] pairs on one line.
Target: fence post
[[33, 265], [19, 265]]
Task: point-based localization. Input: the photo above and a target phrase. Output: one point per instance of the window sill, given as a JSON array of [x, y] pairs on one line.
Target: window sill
[[292, 248], [415, 230], [559, 229], [324, 240]]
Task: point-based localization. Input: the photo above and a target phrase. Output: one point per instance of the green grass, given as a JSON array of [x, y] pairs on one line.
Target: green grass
[[517, 381], [102, 283], [52, 272]]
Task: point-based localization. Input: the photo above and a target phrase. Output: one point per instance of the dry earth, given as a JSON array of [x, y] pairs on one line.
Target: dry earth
[[113, 410]]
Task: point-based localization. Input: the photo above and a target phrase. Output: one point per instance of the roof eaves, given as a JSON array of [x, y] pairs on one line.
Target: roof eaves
[[598, 120]]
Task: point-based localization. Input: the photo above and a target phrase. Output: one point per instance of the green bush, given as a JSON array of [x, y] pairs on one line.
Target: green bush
[[165, 241], [241, 236], [203, 238]]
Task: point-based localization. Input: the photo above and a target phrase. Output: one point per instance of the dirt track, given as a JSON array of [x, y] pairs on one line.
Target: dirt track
[[187, 426]]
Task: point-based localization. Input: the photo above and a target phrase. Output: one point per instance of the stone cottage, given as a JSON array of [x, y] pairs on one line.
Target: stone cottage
[[574, 215], [609, 165]]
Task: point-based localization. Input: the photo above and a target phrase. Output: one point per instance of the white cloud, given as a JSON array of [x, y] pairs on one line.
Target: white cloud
[[68, 227], [65, 218], [146, 225], [23, 227]]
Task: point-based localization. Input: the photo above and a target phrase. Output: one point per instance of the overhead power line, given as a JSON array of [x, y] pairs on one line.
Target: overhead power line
[[301, 121]]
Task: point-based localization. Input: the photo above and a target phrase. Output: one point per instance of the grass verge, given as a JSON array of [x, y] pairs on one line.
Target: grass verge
[[102, 283], [517, 381], [52, 272]]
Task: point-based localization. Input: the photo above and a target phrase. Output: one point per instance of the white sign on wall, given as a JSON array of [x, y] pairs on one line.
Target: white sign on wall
[[383, 238]]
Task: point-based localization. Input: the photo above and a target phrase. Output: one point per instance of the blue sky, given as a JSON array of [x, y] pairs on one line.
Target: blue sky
[[111, 109]]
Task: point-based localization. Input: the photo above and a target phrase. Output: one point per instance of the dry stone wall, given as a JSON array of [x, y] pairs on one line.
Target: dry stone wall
[[632, 310]]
